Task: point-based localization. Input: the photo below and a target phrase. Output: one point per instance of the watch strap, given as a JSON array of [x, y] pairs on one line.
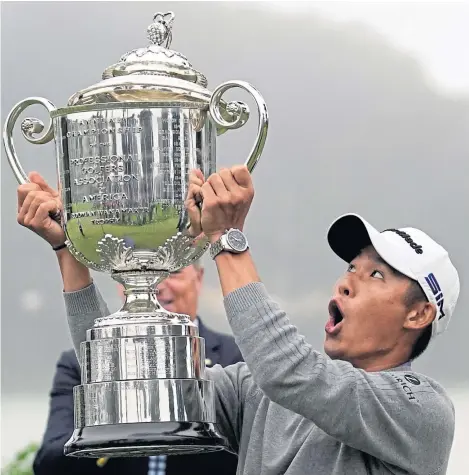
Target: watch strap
[[216, 248]]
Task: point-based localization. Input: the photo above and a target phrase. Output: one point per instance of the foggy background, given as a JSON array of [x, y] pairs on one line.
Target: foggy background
[[369, 112]]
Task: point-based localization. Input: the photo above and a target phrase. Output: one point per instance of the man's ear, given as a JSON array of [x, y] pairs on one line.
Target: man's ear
[[421, 316]]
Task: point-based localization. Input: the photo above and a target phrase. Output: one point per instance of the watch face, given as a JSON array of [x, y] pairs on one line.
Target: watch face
[[236, 240]]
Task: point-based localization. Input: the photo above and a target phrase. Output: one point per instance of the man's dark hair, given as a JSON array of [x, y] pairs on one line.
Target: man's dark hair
[[415, 295]]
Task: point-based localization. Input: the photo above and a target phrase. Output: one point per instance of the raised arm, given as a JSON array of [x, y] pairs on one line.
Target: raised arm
[[83, 302], [37, 202]]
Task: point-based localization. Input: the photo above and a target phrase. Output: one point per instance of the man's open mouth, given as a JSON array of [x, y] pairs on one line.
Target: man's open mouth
[[335, 318]]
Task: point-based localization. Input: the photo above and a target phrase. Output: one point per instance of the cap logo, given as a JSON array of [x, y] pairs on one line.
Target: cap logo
[[416, 247], [436, 290]]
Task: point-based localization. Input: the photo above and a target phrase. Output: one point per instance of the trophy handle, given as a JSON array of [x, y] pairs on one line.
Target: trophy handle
[[235, 114], [29, 127]]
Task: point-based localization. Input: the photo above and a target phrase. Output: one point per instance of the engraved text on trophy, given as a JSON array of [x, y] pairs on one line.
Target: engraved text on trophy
[[126, 172]]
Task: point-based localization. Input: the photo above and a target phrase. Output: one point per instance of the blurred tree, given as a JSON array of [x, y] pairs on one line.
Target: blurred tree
[[22, 464]]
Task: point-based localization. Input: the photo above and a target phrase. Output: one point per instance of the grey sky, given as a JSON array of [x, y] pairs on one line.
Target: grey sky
[[354, 127]]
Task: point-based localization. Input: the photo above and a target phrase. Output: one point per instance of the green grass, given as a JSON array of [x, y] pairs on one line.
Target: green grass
[[146, 236]]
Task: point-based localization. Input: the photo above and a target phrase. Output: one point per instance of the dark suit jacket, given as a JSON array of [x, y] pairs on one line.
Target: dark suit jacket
[[50, 460]]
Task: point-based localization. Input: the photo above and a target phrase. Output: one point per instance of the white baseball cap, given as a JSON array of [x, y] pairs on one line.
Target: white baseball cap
[[409, 251]]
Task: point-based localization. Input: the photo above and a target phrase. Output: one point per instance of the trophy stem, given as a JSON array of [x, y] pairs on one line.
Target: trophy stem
[[140, 291], [141, 301]]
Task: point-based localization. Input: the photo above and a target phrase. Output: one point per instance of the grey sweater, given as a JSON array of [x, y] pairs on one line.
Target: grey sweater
[[290, 410]]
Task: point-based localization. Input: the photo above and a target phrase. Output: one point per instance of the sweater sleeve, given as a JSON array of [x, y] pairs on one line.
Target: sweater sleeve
[[83, 307]]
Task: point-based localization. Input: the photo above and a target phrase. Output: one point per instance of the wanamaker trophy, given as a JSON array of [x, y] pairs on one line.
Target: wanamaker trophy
[[124, 147]]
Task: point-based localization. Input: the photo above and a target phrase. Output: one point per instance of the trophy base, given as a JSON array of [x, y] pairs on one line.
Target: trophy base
[[144, 439], [143, 392]]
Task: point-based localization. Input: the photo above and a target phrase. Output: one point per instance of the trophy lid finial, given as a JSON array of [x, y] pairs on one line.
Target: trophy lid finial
[[157, 58], [140, 71], [160, 30]]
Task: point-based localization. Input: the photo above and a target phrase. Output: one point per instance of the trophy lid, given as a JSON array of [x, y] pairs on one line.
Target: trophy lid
[[151, 73]]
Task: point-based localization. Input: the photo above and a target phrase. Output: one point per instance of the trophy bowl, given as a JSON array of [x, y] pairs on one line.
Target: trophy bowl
[[124, 148]]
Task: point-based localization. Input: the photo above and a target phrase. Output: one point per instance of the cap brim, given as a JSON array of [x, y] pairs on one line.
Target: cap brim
[[350, 234]]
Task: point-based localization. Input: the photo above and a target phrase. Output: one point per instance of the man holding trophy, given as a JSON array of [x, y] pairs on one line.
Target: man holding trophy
[[289, 408], [136, 156]]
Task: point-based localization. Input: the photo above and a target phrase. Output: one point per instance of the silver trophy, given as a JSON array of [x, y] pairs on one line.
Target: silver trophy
[[124, 148]]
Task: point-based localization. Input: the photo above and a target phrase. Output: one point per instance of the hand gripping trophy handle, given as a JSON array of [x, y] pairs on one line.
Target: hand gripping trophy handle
[[239, 113], [29, 127]]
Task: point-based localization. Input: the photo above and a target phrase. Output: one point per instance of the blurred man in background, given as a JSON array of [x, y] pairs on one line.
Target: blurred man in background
[[178, 293]]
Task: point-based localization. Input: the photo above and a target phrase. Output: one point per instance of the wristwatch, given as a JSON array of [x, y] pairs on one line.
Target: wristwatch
[[232, 240]]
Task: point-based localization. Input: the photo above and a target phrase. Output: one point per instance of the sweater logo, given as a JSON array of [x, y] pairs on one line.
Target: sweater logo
[[403, 383], [412, 379]]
